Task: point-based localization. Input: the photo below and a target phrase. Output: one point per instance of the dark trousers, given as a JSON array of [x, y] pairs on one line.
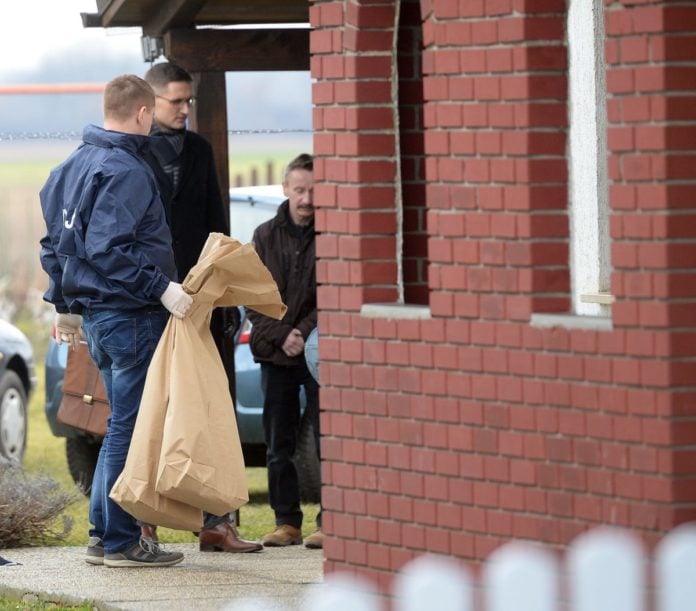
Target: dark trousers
[[224, 323], [281, 426]]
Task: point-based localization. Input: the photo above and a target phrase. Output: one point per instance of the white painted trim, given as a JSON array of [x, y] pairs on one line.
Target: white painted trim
[[398, 187], [587, 157], [571, 321], [603, 298], [398, 311]]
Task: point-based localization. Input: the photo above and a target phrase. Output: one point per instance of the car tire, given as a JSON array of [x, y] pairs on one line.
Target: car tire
[[13, 417], [307, 464], [82, 454]]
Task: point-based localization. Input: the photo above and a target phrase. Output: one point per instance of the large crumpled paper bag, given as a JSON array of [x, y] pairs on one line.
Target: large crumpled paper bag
[[185, 455]]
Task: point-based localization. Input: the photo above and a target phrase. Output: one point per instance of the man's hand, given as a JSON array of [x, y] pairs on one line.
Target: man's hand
[[176, 300], [294, 343], [68, 329]]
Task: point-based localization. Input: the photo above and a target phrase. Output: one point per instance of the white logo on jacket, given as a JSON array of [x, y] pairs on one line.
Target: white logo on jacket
[[69, 223]]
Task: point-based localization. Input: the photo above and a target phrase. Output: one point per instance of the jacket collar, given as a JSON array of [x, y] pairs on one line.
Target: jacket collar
[[282, 217], [99, 136]]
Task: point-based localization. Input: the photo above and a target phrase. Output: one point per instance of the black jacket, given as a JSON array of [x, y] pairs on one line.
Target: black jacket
[[196, 208], [291, 260]]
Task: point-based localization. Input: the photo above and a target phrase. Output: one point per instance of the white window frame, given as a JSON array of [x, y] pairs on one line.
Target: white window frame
[[590, 266]]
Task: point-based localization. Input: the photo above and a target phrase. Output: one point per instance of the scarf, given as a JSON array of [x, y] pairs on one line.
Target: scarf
[[166, 146]]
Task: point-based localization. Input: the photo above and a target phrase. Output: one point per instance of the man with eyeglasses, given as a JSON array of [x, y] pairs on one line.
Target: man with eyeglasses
[[184, 165]]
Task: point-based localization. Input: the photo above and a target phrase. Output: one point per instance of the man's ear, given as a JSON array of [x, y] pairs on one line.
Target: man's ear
[[142, 114]]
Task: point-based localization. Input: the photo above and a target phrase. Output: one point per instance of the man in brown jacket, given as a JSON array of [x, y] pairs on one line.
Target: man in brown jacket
[[286, 246]]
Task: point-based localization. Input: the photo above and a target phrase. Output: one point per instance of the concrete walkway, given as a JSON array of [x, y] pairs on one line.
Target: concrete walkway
[[278, 576]]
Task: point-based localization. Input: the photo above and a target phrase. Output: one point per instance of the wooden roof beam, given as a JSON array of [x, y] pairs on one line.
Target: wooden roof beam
[[110, 11], [238, 50], [172, 14]]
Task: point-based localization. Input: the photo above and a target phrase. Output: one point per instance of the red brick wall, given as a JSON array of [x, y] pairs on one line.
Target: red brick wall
[[457, 433]]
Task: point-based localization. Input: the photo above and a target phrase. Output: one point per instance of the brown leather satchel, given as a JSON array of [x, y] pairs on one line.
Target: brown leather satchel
[[84, 405]]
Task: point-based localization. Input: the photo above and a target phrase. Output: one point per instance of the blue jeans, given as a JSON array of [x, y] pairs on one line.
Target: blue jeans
[[122, 344]]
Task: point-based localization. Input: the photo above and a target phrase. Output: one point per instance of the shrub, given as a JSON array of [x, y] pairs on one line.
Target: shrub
[[30, 508]]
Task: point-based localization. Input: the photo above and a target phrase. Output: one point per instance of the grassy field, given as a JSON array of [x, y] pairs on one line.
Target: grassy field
[[23, 170], [8, 605]]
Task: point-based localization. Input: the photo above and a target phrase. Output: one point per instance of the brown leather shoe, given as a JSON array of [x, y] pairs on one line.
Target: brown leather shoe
[[225, 538], [315, 540], [282, 536]]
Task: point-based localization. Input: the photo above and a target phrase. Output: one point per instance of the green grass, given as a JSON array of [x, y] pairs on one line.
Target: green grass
[[7, 605], [23, 172], [16, 173]]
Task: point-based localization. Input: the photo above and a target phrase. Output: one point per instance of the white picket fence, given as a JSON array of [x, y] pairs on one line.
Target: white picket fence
[[604, 570]]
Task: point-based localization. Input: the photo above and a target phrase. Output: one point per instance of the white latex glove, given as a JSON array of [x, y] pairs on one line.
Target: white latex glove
[[176, 300], [68, 329]]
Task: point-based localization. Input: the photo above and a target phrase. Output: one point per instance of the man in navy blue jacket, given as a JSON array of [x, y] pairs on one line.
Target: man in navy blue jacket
[[109, 259]]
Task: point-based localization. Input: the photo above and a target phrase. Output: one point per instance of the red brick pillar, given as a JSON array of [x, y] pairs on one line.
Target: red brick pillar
[[651, 82], [356, 172], [354, 145]]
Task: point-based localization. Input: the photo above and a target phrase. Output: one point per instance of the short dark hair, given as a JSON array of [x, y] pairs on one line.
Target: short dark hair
[[160, 75], [125, 95], [301, 162]]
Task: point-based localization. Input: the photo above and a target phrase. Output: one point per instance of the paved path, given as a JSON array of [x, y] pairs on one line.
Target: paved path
[[278, 576]]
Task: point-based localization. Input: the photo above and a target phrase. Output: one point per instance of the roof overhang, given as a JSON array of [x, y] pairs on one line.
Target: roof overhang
[[157, 17], [200, 34]]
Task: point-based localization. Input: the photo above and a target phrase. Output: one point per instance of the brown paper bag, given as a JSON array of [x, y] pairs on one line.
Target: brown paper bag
[[201, 460], [195, 459]]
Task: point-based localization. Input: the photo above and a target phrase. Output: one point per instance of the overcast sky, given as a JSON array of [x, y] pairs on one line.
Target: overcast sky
[[43, 41], [31, 31]]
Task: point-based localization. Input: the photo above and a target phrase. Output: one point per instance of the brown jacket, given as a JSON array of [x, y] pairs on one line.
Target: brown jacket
[[288, 253]]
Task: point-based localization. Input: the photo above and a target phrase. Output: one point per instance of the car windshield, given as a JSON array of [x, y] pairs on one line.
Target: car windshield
[[251, 206]]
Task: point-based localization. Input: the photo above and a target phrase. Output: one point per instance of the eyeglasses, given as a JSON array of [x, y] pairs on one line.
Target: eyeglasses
[[179, 102]]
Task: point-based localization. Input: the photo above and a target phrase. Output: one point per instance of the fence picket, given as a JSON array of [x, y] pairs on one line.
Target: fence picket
[[433, 582], [520, 577], [675, 560], [606, 571], [605, 568]]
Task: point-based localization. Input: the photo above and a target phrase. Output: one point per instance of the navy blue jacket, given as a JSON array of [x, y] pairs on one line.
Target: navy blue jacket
[[108, 245]]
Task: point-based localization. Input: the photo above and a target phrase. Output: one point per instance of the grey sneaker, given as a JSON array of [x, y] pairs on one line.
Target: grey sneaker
[[145, 552], [95, 551]]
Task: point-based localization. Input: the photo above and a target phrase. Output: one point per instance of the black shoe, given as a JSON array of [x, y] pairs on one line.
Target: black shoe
[[143, 553], [95, 551]]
